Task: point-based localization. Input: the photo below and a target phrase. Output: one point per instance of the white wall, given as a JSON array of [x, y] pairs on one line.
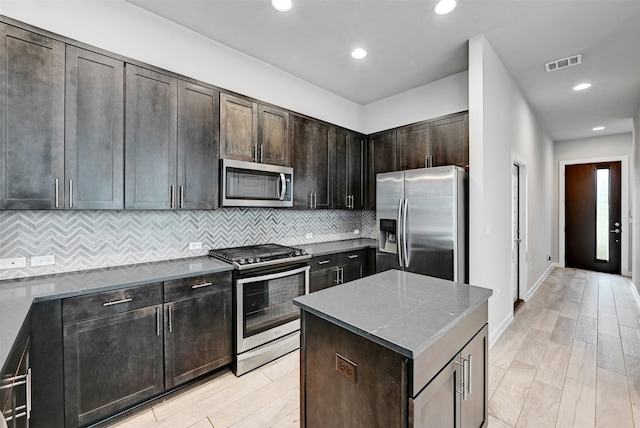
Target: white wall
[[587, 150], [445, 96], [127, 30], [635, 173], [503, 128]]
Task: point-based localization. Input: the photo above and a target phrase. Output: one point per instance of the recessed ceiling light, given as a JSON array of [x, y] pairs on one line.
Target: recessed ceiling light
[[445, 6], [282, 5], [359, 53], [598, 128], [582, 86]]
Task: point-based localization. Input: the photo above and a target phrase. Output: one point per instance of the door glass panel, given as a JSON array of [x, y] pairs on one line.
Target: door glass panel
[[602, 214]]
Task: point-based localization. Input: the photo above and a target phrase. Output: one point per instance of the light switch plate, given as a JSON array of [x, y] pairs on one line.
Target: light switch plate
[[14, 263]]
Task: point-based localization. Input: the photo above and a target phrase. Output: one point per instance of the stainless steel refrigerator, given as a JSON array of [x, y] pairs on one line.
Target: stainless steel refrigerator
[[421, 217]]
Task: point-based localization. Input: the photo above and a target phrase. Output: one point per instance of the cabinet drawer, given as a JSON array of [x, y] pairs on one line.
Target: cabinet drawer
[[352, 257], [323, 262], [110, 302], [196, 285]]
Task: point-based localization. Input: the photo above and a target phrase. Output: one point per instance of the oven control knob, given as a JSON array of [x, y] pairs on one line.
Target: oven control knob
[[251, 260], [257, 259], [242, 261]]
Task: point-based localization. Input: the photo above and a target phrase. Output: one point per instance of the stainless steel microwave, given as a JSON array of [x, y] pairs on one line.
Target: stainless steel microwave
[[249, 184]]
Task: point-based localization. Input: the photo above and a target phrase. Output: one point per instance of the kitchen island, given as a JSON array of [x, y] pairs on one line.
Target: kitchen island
[[395, 349]]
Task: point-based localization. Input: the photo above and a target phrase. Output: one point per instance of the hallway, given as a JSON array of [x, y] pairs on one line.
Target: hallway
[[570, 358]]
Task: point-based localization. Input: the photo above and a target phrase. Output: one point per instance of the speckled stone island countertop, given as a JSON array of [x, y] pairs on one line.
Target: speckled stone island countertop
[[402, 311], [17, 295]]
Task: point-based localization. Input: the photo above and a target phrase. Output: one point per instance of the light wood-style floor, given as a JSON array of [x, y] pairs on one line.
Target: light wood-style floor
[[570, 358]]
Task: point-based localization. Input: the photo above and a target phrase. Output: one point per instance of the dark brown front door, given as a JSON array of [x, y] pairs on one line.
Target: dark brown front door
[[592, 216]]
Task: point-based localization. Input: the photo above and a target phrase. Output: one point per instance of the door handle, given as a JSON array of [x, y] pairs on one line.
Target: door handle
[[615, 231], [399, 233], [404, 233]]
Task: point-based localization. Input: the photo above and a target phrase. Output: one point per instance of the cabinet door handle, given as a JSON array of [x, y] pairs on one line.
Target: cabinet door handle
[[469, 374], [255, 153], [170, 320], [70, 193], [204, 284], [337, 280], [324, 262], [173, 197], [315, 200], [463, 383], [57, 197], [261, 150], [117, 302], [341, 274], [353, 256], [158, 324], [181, 196]]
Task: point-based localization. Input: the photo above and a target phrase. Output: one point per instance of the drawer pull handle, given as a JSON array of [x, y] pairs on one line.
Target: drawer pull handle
[[117, 302], [324, 262], [353, 256], [204, 284]]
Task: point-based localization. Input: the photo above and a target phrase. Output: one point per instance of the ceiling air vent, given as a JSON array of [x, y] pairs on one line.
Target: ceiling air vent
[[563, 63]]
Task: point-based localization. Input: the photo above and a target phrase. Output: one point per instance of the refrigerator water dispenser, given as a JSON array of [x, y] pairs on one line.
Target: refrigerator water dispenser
[[387, 236]]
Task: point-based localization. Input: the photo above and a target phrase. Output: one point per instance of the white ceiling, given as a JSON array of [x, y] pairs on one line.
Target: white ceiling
[[410, 46]]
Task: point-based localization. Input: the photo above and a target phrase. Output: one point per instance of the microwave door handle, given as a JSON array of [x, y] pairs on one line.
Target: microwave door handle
[[283, 186]]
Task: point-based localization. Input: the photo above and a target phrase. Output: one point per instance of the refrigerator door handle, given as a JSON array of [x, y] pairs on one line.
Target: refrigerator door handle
[[405, 244], [399, 233]]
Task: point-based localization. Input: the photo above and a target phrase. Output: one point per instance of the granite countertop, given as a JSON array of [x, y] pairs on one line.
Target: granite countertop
[[325, 248], [402, 311], [17, 295]]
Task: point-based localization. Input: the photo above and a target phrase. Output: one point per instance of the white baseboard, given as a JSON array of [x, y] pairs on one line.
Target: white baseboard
[[540, 280], [495, 335]]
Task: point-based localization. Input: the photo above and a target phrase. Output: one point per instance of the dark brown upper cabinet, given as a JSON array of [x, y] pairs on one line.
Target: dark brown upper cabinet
[[198, 151], [151, 139], [31, 120], [450, 141], [312, 144], [94, 131], [273, 136], [253, 132], [413, 146], [169, 168], [382, 158], [348, 174]]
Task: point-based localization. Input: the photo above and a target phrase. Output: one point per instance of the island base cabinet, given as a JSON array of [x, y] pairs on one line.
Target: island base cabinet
[[377, 398], [457, 395], [111, 363]]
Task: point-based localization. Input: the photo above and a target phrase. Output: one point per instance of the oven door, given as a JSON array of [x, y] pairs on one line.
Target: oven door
[[265, 307]]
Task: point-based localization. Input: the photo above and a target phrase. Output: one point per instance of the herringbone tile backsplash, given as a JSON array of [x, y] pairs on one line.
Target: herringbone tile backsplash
[[93, 239]]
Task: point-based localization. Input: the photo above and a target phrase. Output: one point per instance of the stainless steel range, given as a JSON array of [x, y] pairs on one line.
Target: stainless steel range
[[266, 279]]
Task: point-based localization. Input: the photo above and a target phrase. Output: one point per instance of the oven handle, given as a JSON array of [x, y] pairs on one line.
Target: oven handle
[[271, 276]]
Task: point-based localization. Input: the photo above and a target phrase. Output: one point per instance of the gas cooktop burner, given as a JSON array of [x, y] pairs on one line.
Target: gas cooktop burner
[[259, 255]]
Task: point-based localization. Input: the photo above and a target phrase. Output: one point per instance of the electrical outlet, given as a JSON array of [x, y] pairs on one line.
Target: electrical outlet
[[308, 235], [347, 368], [43, 260], [14, 263], [195, 245], [356, 232]]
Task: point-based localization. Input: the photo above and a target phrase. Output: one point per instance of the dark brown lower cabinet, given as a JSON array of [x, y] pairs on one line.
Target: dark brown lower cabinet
[[335, 269], [198, 328], [111, 363]]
